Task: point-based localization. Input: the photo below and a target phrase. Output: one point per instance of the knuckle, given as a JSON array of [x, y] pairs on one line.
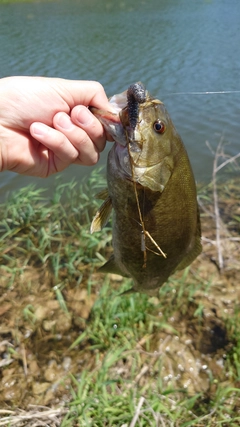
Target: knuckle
[[60, 140], [94, 159], [98, 86], [84, 142]]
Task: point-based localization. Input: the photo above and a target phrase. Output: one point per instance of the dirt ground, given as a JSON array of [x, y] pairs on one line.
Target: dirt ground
[[36, 329]]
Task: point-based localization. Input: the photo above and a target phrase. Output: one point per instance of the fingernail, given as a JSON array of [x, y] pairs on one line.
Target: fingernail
[[64, 121], [39, 129], [84, 117]]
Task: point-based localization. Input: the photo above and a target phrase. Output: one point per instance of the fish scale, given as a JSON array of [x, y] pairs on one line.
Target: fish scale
[[152, 193]]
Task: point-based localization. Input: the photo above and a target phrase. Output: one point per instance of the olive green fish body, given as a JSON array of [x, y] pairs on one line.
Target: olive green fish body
[[166, 217], [151, 187]]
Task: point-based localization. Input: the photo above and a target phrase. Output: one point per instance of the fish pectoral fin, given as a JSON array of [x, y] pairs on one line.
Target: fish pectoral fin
[[102, 216], [102, 195], [111, 267]]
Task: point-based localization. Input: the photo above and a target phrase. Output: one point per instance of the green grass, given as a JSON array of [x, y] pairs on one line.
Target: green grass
[[136, 361], [110, 394], [54, 235]]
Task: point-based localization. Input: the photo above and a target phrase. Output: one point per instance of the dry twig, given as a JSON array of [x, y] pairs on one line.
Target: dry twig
[[137, 413], [219, 153], [35, 417]]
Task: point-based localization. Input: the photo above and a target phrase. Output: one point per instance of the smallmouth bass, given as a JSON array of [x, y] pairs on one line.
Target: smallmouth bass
[[151, 188]]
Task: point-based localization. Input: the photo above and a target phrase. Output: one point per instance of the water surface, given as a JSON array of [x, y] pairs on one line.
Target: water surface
[[170, 46]]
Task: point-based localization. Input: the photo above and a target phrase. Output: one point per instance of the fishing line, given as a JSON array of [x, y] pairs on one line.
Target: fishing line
[[220, 92], [144, 232]]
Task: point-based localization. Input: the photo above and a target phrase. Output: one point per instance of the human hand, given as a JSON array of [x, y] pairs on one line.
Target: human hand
[[45, 125]]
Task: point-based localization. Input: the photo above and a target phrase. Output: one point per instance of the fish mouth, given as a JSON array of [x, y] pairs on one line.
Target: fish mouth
[[112, 121], [117, 125], [112, 124], [121, 124]]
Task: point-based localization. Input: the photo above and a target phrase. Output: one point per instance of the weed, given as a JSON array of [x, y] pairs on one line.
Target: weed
[[68, 334]]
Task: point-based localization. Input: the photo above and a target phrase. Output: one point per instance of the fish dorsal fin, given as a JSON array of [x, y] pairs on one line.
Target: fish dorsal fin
[[102, 216], [111, 267]]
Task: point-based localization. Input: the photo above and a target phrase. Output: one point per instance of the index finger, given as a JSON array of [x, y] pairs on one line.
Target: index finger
[[81, 92]]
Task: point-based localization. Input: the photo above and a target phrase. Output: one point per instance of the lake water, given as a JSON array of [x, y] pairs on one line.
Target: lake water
[[172, 46]]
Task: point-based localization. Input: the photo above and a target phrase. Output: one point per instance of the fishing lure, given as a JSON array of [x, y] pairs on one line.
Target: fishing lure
[[136, 94]]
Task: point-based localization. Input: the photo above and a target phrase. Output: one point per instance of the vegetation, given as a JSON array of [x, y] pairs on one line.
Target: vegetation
[[75, 352]]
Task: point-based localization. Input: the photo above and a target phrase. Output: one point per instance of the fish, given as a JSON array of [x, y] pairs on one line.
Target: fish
[[156, 228]]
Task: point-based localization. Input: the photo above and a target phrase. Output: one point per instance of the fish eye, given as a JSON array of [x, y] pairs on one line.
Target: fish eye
[[159, 126]]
